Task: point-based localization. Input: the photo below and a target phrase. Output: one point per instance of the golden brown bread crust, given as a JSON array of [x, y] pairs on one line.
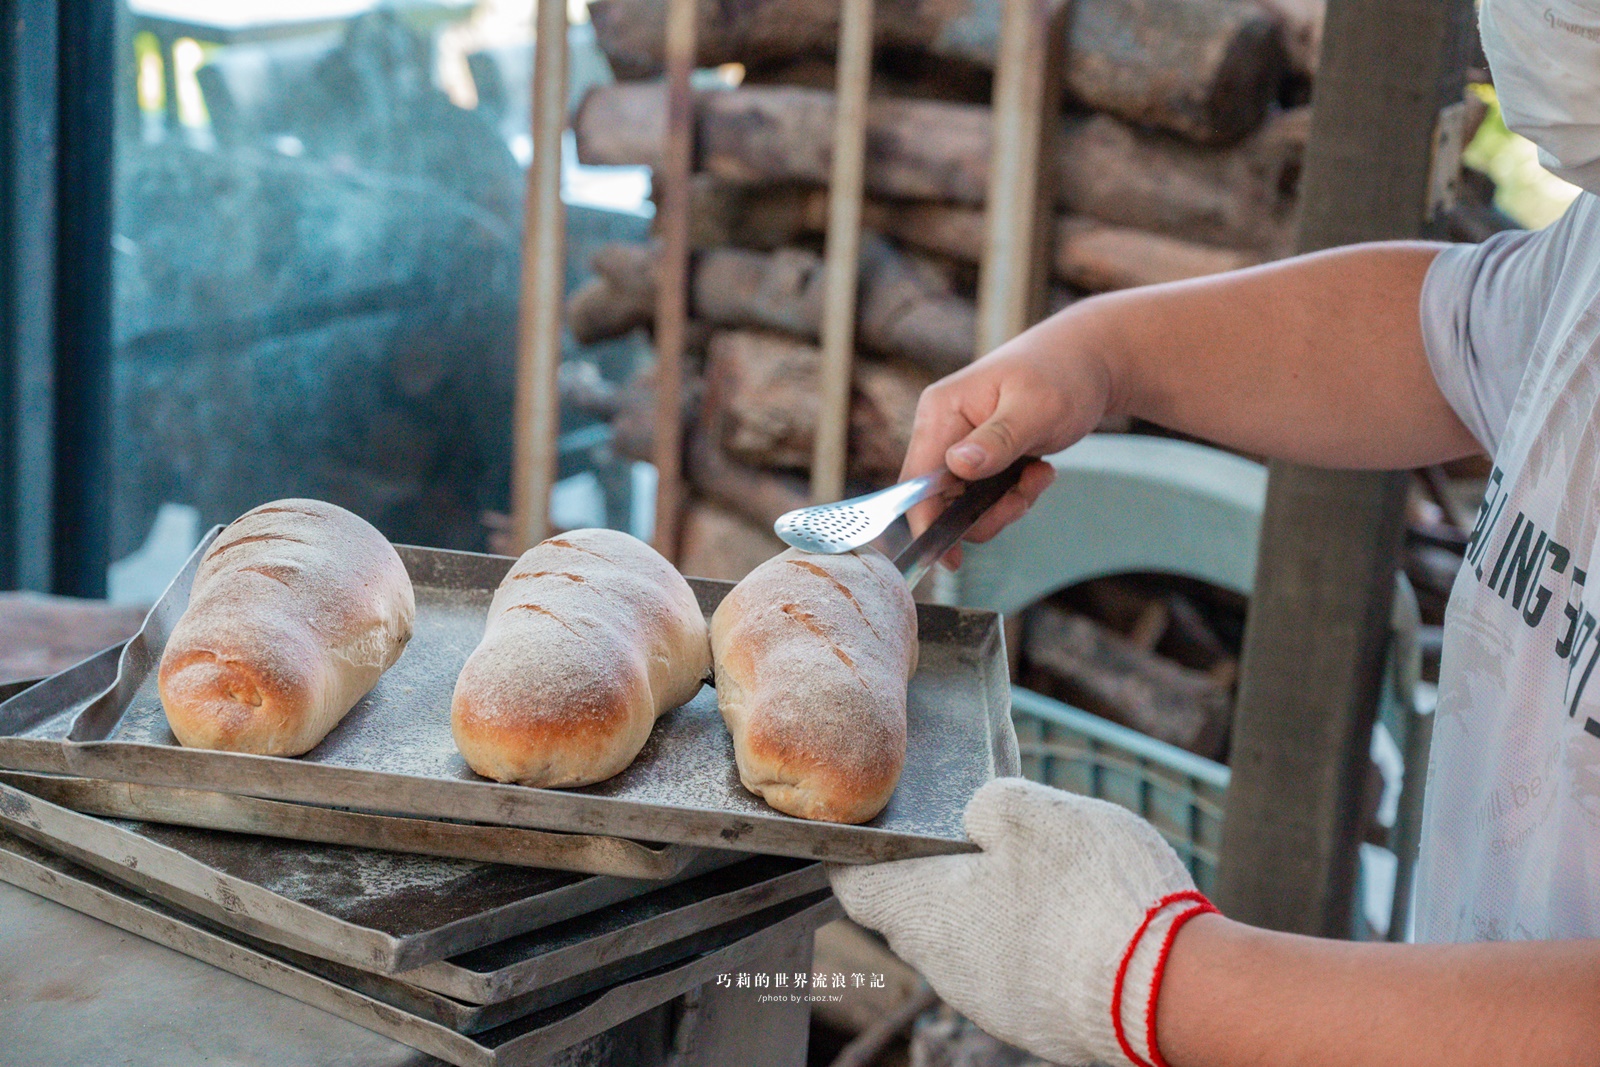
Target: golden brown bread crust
[[813, 654], [298, 607], [591, 636]]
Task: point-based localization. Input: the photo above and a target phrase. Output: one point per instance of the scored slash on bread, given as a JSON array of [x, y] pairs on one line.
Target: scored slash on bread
[[812, 658], [591, 636], [298, 607]]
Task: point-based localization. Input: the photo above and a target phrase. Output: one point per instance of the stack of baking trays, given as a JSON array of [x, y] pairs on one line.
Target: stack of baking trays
[[378, 878]]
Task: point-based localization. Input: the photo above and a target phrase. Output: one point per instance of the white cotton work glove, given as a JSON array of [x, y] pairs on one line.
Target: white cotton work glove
[[1028, 937]]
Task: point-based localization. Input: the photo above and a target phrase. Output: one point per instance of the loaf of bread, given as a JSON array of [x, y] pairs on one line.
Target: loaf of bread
[[813, 655], [591, 636], [297, 608]]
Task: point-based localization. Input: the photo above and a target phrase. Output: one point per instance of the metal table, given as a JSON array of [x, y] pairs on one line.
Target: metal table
[[77, 990], [74, 990]]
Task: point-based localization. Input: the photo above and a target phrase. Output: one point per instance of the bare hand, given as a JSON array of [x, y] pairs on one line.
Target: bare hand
[[1036, 394], [1317, 359]]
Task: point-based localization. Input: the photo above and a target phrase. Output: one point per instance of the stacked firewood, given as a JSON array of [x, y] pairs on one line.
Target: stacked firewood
[[1178, 156], [1156, 653]]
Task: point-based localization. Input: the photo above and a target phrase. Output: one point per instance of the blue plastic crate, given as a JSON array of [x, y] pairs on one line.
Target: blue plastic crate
[[1181, 794]]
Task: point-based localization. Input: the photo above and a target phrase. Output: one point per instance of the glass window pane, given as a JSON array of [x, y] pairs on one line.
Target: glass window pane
[[318, 223]]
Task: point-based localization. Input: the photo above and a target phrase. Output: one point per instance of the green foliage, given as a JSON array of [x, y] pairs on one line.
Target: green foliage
[[1526, 191]]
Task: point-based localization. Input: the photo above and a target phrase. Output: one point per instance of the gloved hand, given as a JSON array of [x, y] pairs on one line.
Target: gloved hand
[[1053, 938]]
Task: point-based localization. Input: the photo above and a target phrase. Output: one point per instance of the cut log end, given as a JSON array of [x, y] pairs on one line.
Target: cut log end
[[923, 150], [1205, 69]]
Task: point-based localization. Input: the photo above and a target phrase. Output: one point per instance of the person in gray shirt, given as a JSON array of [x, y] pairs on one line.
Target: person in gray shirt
[[1075, 932]]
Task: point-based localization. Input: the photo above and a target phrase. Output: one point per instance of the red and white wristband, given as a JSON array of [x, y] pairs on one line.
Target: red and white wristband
[[1133, 1017]]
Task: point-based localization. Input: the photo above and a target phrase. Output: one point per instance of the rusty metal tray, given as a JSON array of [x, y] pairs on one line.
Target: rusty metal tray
[[545, 1030], [528, 961], [394, 754], [664, 917], [21, 860], [69, 691], [379, 911], [583, 853]]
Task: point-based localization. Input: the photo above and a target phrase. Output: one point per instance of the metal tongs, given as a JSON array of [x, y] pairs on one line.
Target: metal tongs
[[831, 529]]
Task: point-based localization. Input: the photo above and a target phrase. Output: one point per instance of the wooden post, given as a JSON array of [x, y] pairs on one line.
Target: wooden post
[[1014, 271], [537, 412], [672, 277], [843, 250], [1317, 630]]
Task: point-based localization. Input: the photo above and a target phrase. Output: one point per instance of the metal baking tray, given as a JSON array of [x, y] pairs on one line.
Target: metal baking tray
[[520, 964], [519, 1043], [583, 853], [379, 911], [664, 917], [17, 685], [75, 687], [394, 754], [468, 1017]]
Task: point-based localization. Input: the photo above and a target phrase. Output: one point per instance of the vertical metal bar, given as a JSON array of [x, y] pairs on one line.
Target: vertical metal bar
[[87, 116], [170, 124], [28, 127], [672, 278], [537, 411], [1192, 801], [1408, 820], [1012, 275], [841, 263]]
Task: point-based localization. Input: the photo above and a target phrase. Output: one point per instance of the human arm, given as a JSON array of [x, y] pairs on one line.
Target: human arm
[[1053, 938], [1317, 359], [1237, 996]]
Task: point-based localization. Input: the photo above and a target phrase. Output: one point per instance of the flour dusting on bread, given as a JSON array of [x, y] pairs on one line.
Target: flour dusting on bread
[[296, 610], [591, 636], [812, 657]]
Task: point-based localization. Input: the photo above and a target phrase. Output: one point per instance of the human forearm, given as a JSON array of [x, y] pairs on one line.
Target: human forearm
[[1317, 359], [1234, 996]]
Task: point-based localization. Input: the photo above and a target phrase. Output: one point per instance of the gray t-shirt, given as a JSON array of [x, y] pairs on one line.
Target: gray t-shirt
[[1484, 305], [1511, 820]]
